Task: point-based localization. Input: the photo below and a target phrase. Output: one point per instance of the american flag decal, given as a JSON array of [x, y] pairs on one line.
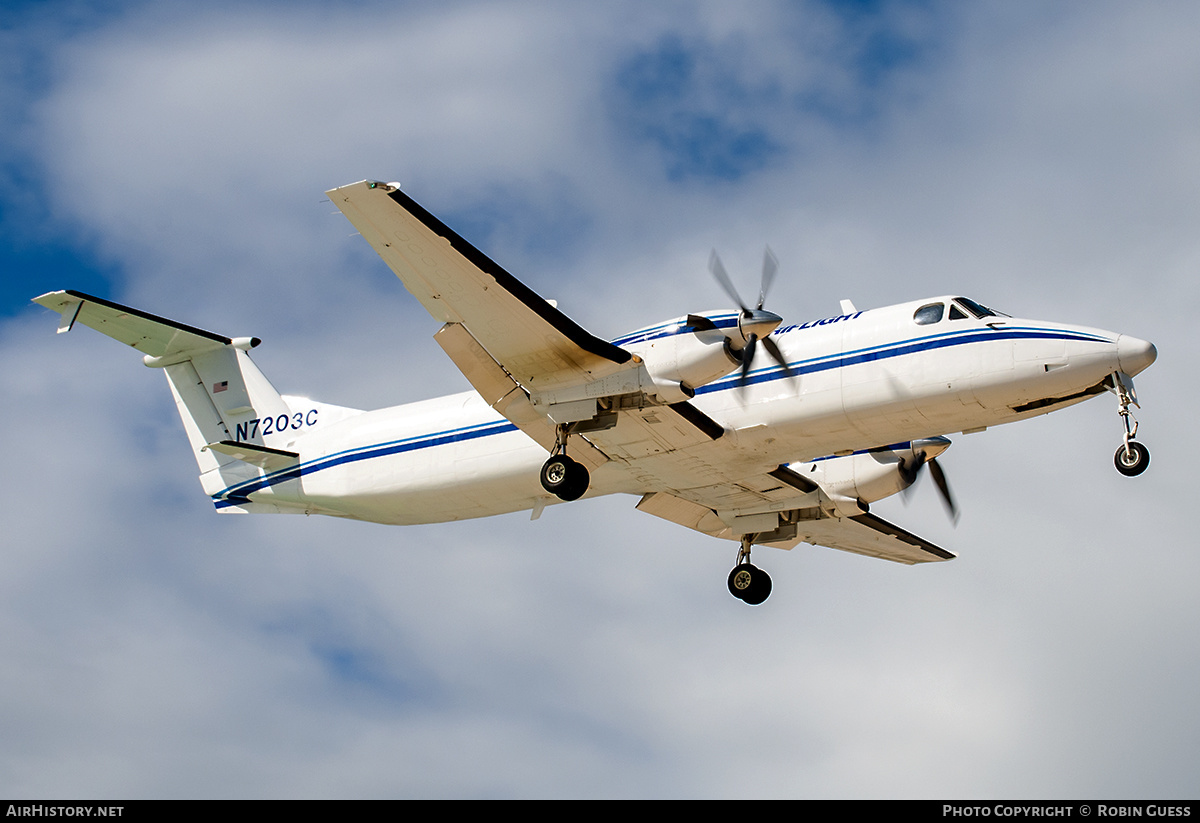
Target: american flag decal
[[219, 387]]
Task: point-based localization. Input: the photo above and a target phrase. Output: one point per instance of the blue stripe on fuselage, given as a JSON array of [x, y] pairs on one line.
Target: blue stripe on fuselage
[[893, 349], [236, 494]]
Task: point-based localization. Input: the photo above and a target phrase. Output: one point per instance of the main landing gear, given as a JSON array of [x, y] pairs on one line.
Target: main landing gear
[[563, 477], [1132, 458], [748, 582]]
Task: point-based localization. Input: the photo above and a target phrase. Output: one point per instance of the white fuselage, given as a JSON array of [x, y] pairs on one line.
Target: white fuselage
[[858, 381]]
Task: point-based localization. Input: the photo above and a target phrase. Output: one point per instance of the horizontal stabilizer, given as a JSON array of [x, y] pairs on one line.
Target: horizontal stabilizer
[[252, 453], [155, 336]]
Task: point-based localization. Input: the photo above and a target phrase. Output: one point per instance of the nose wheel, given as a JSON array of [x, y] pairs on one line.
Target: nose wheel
[[748, 582], [1132, 458]]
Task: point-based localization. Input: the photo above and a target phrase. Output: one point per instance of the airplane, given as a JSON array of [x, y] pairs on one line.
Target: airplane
[[689, 415]]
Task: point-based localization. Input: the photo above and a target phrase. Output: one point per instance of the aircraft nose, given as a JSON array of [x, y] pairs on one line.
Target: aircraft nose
[[1135, 355]]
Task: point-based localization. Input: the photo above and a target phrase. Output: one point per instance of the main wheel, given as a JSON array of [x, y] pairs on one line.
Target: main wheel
[[1132, 461], [760, 589], [578, 481], [565, 478], [740, 580], [749, 583]]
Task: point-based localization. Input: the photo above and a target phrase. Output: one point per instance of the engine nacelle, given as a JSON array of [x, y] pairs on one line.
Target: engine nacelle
[[692, 350], [871, 475]]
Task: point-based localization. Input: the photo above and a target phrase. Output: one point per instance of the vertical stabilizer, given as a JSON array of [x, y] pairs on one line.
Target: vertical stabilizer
[[221, 395]]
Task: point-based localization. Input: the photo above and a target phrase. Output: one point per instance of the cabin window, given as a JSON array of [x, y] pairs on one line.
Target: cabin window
[[928, 315]]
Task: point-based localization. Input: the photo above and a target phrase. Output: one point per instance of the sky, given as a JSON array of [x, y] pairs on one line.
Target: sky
[[1040, 158]]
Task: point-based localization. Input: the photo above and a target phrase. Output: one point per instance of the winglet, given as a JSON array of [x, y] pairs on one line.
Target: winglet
[[67, 321]]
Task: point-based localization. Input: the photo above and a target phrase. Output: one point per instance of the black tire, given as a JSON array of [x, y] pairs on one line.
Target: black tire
[[760, 589], [1133, 462], [749, 583], [555, 473], [578, 481], [564, 478], [741, 578]]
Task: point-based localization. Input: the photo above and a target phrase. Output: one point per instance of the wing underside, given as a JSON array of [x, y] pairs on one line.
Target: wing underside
[[629, 432], [870, 535], [456, 283], [865, 534]]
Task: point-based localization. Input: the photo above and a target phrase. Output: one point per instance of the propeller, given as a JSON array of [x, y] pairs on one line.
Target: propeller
[[754, 325], [925, 453]]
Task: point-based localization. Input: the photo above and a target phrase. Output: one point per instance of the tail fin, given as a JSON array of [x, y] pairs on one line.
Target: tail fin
[[236, 421]]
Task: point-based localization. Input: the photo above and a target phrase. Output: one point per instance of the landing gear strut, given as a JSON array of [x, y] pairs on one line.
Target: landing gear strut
[[563, 477], [1132, 458], [748, 582]]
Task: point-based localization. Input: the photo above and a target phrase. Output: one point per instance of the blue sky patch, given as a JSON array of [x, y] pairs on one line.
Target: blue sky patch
[[30, 269], [689, 103], [712, 111]]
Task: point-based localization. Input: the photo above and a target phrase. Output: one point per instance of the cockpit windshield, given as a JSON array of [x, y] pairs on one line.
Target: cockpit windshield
[[978, 309], [958, 308]]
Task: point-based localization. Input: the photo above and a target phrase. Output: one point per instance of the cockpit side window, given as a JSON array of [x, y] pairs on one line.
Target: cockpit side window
[[929, 314], [956, 313]]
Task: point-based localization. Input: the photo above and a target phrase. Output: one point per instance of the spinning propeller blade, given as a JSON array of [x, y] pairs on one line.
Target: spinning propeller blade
[[939, 479], [910, 470], [718, 271], [754, 325], [770, 266]]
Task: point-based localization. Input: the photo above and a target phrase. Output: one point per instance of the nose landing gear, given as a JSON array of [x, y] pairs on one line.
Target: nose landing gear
[[747, 582], [1132, 458]]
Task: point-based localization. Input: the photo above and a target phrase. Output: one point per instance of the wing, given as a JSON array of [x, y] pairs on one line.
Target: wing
[[456, 283], [872, 536], [865, 534], [531, 362]]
